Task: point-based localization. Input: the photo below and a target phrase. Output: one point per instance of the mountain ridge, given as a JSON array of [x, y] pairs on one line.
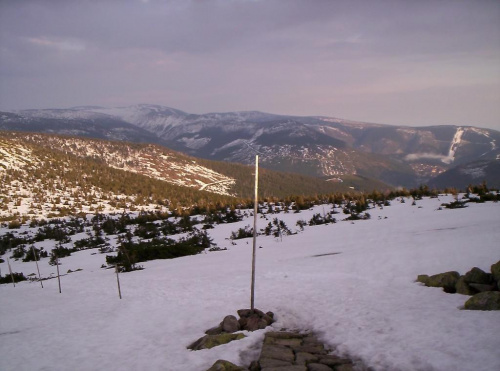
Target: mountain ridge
[[56, 175], [312, 145]]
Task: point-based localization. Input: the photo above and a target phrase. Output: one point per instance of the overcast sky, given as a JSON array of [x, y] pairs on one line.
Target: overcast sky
[[393, 62]]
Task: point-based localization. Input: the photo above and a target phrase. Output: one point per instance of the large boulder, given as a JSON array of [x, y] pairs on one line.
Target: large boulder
[[210, 341], [476, 275], [447, 281], [222, 365], [489, 300]]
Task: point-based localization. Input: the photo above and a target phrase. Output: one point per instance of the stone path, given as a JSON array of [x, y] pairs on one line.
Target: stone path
[[292, 351]]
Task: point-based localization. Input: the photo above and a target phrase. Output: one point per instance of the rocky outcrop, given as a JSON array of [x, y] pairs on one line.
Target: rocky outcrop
[[482, 286]]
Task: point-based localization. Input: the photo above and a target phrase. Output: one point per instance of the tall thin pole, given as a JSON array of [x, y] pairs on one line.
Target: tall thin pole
[[255, 207], [118, 281], [58, 276], [38, 269], [10, 271]]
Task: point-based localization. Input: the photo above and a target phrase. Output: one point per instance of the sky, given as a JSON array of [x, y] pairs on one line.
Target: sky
[[401, 62]]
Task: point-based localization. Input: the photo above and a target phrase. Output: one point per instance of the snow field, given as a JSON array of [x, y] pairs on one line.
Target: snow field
[[362, 300]]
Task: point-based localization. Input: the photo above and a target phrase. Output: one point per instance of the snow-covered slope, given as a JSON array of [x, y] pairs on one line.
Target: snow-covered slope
[[353, 283], [28, 188]]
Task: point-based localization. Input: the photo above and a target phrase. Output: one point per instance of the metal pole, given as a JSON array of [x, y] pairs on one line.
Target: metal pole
[[58, 276], [38, 269], [10, 270], [118, 281], [255, 207]]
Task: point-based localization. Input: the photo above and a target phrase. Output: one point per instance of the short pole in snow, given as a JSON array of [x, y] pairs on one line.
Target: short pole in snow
[[10, 271], [255, 209], [38, 269], [118, 281], [58, 275]]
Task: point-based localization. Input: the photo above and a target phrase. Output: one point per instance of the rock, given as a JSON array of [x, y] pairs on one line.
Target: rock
[[254, 366], [230, 324], [463, 287], [302, 358], [423, 278], [489, 300], [267, 363], [495, 271], [333, 361], [222, 365], [252, 320], [446, 280], [286, 368], [292, 342], [284, 335], [244, 313], [277, 352], [214, 330], [346, 367], [210, 341], [311, 348], [482, 287], [476, 275], [318, 367], [255, 323]]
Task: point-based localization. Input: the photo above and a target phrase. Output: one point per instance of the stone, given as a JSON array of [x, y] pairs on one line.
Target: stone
[[489, 300], [214, 330], [277, 352], [266, 363], [294, 342], [252, 320], [446, 280], [302, 358], [285, 335], [463, 287], [222, 365], [311, 348], [476, 275], [230, 324], [495, 271], [254, 366], [255, 323], [482, 287], [345, 367], [286, 368], [423, 278], [332, 361], [318, 367], [210, 341]]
